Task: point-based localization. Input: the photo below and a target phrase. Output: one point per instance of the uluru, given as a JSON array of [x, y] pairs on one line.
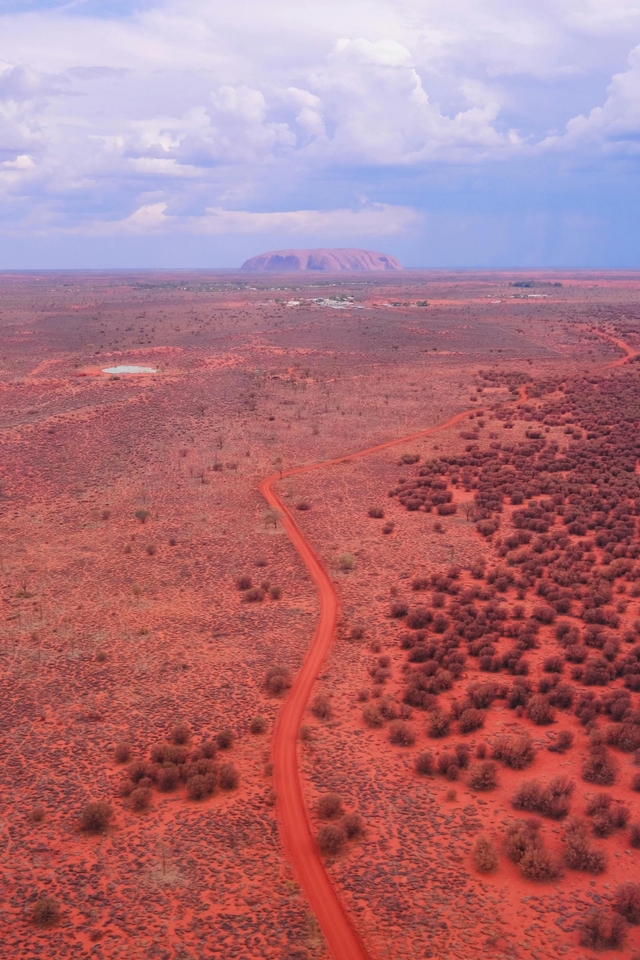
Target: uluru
[[324, 259]]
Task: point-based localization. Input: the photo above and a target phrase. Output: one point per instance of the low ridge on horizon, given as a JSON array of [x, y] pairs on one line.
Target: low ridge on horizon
[[323, 259]]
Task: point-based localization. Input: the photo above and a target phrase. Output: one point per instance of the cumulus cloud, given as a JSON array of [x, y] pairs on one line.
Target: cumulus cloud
[[165, 118]]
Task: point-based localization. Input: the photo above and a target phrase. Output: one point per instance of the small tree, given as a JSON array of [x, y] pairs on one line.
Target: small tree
[[46, 912], [96, 816]]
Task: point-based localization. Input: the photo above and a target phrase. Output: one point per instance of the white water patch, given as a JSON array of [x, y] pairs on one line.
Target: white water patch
[[129, 369]]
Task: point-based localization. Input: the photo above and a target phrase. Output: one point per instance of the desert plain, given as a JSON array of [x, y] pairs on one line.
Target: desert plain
[[468, 751]]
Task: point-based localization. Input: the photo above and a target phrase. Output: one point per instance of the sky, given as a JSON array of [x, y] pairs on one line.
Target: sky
[[197, 133]]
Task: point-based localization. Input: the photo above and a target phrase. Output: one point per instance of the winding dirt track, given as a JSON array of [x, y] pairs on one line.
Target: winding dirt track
[[295, 828]]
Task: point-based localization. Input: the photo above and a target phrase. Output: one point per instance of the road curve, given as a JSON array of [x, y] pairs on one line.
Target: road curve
[[293, 820]]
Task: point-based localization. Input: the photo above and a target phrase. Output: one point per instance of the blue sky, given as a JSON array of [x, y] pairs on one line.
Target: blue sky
[[450, 133]]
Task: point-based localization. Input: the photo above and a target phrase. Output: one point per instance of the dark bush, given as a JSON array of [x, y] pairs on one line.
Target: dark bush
[[551, 801], [244, 583], [321, 707], [331, 838], [540, 710], [329, 806], [602, 930], [470, 720], [626, 902], [634, 835], [46, 912], [228, 777], [258, 725], [122, 752], [140, 799], [377, 513], [225, 738], [180, 733], [401, 733], [254, 595], [168, 778], [485, 856], [372, 715], [600, 767], [399, 609], [278, 680], [303, 505], [419, 618], [562, 743], [483, 775], [579, 854], [425, 763], [516, 752], [438, 723], [200, 786], [353, 825], [96, 816]]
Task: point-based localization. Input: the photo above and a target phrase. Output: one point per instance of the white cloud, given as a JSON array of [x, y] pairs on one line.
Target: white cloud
[[201, 105], [370, 219]]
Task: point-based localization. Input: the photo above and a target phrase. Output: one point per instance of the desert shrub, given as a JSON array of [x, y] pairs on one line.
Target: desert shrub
[[200, 786], [331, 838], [399, 609], [438, 723], [608, 815], [516, 752], [244, 582], [180, 733], [448, 765], [353, 825], [140, 799], [626, 902], [329, 806], [142, 515], [122, 752], [551, 801], [346, 561], [562, 743], [168, 778], [538, 864], [634, 835], [419, 617], [470, 720], [37, 813], [46, 912], [228, 776], [160, 753], [303, 505], [483, 775], [209, 748], [485, 856], [401, 733], [600, 767], [258, 725], [372, 716], [275, 593], [540, 710], [96, 816], [321, 707], [635, 782], [224, 738], [254, 595], [554, 664], [462, 755], [425, 763], [579, 854], [277, 680], [602, 930], [377, 513], [419, 583], [523, 845]]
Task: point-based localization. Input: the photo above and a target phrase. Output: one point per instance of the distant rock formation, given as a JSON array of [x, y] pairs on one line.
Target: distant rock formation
[[326, 260]]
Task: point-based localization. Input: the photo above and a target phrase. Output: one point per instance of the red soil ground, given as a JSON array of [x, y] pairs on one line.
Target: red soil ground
[[115, 629]]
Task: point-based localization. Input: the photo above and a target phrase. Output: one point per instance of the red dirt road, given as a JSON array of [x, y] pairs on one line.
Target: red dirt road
[[295, 828]]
